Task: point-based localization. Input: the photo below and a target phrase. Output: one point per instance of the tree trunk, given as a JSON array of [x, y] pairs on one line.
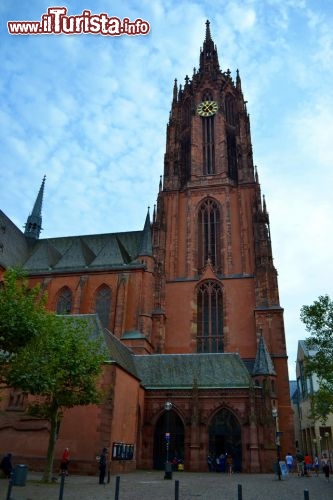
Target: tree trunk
[[54, 417]]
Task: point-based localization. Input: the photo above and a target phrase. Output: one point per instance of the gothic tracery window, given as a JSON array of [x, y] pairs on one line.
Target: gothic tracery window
[[209, 318], [232, 156], [103, 305], [209, 234], [208, 143], [230, 109], [64, 302]]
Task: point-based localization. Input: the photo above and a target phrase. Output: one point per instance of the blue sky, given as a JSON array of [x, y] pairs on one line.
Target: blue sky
[[90, 112]]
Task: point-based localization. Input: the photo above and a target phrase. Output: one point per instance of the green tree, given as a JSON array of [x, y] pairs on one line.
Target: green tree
[[318, 320], [63, 365], [22, 314]]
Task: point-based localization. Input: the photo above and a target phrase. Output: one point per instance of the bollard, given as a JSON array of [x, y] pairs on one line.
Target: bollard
[[116, 495], [306, 495], [240, 496], [10, 484], [177, 490], [62, 485]]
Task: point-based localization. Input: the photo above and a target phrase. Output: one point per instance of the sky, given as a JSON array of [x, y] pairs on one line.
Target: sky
[[90, 112]]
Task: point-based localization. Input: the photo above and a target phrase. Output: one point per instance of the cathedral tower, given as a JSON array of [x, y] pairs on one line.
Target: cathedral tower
[[217, 285]]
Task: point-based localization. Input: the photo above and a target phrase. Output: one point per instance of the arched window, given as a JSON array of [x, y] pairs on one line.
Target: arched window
[[209, 234], [103, 304], [64, 303], [208, 145], [209, 314], [232, 156]]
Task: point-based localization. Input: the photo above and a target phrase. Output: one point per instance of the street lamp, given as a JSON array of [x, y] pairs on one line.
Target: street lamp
[[277, 441], [168, 465]]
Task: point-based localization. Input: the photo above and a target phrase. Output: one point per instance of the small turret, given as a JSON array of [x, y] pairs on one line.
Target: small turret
[[263, 364]]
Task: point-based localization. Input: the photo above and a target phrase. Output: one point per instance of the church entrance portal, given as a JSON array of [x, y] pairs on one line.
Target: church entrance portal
[[225, 437], [169, 422]]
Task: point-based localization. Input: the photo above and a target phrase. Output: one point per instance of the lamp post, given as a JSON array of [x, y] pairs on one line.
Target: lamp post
[[168, 465], [277, 441]]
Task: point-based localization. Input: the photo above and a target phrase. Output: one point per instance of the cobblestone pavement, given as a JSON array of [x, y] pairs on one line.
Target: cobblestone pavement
[[151, 485]]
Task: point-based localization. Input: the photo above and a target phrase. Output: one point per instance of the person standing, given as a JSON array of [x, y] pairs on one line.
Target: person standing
[[326, 467], [210, 463], [64, 462], [102, 465], [6, 465], [316, 465], [300, 463], [289, 461], [308, 464], [230, 463]]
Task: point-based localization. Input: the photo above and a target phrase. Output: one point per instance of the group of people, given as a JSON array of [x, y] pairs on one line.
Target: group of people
[[102, 464], [221, 463], [305, 464]]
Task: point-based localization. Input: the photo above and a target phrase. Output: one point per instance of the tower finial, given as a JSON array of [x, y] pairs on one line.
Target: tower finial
[[33, 225], [175, 91], [208, 35]]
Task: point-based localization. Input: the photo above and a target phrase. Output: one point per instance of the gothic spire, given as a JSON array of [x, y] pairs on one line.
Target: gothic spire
[[33, 225], [146, 244], [208, 57]]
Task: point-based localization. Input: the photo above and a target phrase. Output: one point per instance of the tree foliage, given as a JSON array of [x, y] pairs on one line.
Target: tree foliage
[[318, 320], [22, 311]]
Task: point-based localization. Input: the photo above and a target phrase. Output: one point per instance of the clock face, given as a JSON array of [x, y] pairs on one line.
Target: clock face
[[207, 108]]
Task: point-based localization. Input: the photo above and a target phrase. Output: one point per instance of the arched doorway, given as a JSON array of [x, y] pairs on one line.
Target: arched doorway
[[225, 437], [168, 422]]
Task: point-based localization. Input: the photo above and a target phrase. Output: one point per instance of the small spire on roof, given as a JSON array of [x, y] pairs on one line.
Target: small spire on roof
[[33, 225]]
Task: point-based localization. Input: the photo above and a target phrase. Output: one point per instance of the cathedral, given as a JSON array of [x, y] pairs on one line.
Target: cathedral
[[188, 306]]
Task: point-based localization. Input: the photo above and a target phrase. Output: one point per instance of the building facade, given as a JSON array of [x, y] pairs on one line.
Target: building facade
[[312, 436], [190, 304]]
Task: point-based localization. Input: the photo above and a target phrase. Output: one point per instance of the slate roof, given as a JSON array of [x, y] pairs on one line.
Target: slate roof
[[171, 371], [90, 252], [179, 371], [118, 352]]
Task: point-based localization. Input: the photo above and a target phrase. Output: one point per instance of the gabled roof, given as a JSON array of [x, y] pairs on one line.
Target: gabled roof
[[90, 252]]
